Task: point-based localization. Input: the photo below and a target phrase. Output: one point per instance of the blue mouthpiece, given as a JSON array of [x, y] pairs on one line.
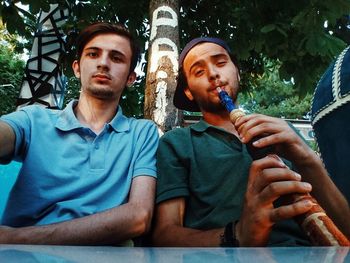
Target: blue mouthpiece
[[226, 100]]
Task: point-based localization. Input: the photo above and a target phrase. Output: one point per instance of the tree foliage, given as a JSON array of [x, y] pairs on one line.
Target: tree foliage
[[11, 74], [303, 36], [270, 96], [291, 31], [23, 22]]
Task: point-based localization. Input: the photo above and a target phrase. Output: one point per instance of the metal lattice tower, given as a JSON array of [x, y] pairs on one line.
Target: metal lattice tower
[[44, 82]]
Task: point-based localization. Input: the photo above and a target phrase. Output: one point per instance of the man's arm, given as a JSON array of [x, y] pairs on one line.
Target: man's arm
[[290, 146], [169, 230], [268, 180], [326, 192], [108, 227], [7, 139]]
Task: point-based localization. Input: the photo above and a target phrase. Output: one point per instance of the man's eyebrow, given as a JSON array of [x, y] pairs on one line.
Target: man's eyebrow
[[114, 51], [212, 57], [196, 64], [91, 48], [220, 55]]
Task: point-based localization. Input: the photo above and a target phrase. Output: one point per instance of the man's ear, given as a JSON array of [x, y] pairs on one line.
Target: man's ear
[[131, 79], [188, 93], [76, 68]]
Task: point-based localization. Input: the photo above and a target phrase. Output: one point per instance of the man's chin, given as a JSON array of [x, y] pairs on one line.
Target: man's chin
[[103, 94], [214, 108]]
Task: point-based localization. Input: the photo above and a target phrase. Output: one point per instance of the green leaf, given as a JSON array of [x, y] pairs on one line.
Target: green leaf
[[34, 8], [25, 2], [268, 28], [45, 7], [14, 22], [103, 2], [313, 44], [279, 29], [334, 45]]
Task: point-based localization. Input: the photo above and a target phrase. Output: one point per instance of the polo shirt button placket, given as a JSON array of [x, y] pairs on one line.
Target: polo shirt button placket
[[97, 153]]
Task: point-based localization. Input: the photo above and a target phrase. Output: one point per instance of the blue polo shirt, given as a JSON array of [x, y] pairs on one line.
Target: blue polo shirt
[[68, 171]]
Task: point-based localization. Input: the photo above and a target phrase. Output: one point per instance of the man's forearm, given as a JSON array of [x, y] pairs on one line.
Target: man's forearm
[[106, 228], [326, 192], [177, 236], [7, 139]]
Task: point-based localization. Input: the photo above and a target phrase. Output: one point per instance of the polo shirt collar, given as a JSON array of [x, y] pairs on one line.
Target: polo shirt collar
[[120, 123], [68, 121], [202, 126]]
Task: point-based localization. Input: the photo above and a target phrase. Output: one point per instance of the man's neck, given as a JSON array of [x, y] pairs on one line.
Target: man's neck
[[220, 119], [94, 112]]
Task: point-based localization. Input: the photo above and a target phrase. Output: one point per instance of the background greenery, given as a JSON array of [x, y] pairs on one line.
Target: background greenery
[[282, 47], [11, 71]]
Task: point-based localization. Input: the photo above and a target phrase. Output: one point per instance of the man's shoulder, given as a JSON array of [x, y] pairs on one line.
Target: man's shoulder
[[140, 128], [37, 109], [31, 112], [177, 133], [141, 123]]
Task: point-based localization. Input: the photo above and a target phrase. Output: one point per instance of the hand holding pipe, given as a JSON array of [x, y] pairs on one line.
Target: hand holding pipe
[[320, 229]]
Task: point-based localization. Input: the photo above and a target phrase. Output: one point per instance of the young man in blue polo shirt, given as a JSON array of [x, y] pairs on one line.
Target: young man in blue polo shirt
[[209, 191], [88, 175]]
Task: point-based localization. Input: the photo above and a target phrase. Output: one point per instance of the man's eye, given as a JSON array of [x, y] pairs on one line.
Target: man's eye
[[199, 72], [117, 58], [221, 63], [92, 54]]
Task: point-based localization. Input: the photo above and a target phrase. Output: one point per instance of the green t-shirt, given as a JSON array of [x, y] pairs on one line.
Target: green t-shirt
[[209, 167]]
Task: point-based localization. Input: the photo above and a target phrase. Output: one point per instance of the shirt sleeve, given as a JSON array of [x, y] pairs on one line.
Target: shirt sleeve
[[145, 163], [20, 122], [173, 167]]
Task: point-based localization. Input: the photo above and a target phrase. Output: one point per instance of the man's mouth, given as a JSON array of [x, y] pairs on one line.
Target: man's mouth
[[101, 77], [221, 86]]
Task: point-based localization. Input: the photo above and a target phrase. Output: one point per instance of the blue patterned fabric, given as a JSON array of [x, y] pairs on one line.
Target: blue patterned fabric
[[330, 115]]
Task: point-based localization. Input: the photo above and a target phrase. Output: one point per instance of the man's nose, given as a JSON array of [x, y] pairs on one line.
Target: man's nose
[[103, 61], [213, 72]]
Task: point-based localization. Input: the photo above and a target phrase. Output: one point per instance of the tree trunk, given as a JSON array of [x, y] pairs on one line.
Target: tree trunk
[[163, 65]]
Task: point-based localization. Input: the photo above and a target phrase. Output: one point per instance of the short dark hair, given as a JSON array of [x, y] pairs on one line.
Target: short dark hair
[[98, 28]]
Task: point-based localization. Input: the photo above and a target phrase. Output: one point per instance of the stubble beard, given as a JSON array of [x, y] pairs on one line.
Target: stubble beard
[[210, 106], [105, 93]]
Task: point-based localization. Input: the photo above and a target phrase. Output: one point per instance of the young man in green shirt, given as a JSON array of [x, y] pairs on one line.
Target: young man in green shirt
[[209, 191]]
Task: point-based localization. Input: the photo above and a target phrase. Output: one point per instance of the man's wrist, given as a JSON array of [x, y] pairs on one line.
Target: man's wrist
[[7, 235], [228, 238], [308, 163]]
